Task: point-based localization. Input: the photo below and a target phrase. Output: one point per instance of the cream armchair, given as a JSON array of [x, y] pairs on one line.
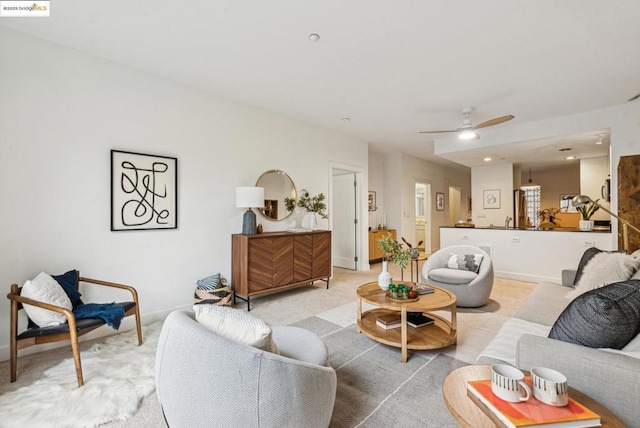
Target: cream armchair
[[471, 289], [204, 379]]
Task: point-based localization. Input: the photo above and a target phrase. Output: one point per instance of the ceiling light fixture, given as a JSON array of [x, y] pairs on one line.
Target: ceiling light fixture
[[487, 159], [570, 158], [468, 134], [345, 120], [314, 37], [530, 185]]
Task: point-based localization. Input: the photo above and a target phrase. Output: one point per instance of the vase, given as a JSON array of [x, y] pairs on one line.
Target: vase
[[413, 253], [585, 225], [298, 215], [384, 279], [313, 221]]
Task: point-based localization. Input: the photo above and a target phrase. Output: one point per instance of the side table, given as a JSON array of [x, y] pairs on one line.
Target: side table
[[415, 262], [468, 414]]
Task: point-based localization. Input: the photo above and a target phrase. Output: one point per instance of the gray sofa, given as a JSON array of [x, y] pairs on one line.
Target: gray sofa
[[204, 379], [612, 377]]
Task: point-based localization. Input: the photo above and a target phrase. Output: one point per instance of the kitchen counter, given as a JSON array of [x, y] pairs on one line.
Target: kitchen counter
[[530, 229], [530, 255]]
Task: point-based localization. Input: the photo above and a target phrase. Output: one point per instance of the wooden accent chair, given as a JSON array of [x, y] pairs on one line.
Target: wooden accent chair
[[68, 331]]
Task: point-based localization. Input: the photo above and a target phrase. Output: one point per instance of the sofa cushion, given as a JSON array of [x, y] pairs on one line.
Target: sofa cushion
[[452, 276], [470, 262], [605, 268], [236, 325], [545, 303], [503, 345], [45, 289], [607, 317]]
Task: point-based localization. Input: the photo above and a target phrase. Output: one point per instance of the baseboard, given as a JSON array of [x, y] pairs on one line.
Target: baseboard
[[127, 324], [526, 277]]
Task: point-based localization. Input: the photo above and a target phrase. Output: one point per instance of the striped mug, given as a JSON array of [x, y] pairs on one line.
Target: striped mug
[[507, 383], [550, 386]]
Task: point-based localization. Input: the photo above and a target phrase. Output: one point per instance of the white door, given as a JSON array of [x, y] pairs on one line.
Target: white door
[[344, 221]]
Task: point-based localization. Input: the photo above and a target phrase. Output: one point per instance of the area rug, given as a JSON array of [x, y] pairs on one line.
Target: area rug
[[375, 389], [117, 373]]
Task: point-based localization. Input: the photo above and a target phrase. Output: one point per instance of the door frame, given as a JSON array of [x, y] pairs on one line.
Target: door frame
[[361, 201], [428, 217]]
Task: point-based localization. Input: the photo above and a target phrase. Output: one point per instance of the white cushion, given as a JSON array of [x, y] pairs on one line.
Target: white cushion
[[470, 262], [452, 276], [45, 289], [603, 269], [236, 325], [503, 346], [636, 275]]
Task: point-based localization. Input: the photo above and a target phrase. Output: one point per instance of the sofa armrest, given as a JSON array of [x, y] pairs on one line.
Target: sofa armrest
[[568, 276], [610, 378]]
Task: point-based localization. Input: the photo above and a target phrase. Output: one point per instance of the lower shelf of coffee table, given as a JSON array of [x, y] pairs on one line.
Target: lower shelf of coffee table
[[433, 336]]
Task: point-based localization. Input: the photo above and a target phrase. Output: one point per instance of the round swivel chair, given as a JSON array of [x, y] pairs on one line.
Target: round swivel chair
[[472, 289]]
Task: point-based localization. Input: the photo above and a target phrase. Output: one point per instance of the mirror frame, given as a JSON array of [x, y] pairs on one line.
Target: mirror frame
[[294, 191]]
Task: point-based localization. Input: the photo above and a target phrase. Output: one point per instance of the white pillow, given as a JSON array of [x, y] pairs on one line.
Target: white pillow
[[605, 268], [236, 325], [470, 262], [45, 289]]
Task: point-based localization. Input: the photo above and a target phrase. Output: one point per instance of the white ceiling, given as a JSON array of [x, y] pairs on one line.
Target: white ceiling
[[393, 68]]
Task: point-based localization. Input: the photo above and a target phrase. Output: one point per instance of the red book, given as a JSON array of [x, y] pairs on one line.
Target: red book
[[531, 413]]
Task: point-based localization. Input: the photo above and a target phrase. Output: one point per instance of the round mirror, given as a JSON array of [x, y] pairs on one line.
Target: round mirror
[[277, 186]]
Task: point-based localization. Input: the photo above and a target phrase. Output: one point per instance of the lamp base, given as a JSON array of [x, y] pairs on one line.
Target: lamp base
[[249, 223]]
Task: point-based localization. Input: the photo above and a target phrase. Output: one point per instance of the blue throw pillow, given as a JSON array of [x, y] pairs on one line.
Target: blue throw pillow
[[209, 283], [68, 282]]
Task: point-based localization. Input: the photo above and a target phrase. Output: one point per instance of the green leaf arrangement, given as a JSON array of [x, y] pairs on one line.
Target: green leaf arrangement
[[394, 252], [312, 204], [588, 210]]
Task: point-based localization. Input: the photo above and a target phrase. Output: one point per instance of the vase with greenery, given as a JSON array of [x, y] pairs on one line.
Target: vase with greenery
[[311, 204], [392, 252], [586, 211]]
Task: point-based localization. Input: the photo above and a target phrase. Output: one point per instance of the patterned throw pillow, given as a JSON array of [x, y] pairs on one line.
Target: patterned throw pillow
[[219, 295], [470, 262], [607, 317], [209, 283]]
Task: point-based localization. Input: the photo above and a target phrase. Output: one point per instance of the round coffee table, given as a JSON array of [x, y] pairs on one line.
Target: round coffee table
[[468, 414], [437, 335]]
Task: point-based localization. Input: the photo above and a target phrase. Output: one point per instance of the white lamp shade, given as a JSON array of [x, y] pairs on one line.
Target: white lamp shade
[[249, 197]]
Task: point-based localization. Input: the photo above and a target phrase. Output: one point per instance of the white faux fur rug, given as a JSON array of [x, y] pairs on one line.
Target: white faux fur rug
[[117, 375]]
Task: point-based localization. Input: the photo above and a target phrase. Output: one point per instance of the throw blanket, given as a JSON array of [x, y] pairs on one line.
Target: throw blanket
[[111, 313]]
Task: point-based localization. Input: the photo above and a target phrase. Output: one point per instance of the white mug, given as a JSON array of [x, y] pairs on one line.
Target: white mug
[[507, 383], [550, 386]]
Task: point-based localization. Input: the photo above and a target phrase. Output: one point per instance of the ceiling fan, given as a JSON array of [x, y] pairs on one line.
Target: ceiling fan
[[467, 131]]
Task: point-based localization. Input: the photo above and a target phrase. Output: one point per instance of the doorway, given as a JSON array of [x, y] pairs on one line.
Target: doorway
[[454, 206], [422, 217]]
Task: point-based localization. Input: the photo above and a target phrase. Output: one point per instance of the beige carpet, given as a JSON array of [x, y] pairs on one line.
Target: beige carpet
[[476, 327]]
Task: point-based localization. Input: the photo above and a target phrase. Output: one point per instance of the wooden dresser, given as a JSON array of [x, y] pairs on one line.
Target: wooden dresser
[[375, 253], [277, 261]]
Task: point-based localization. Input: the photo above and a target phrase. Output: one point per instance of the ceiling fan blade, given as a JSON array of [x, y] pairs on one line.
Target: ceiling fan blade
[[437, 132], [496, 121]]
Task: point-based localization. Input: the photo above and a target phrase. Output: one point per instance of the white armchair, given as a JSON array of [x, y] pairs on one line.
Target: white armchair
[[204, 379], [471, 289]]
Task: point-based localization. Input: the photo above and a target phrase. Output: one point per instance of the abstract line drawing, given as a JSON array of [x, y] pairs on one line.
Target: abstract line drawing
[[143, 191]]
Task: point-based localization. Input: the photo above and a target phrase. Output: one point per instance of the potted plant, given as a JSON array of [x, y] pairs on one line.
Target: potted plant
[[412, 251], [311, 204], [393, 252], [586, 211]]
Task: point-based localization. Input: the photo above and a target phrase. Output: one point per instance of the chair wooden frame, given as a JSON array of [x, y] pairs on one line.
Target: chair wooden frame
[[16, 344]]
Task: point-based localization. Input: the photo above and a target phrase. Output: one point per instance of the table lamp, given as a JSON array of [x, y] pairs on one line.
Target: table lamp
[[249, 197], [582, 200]]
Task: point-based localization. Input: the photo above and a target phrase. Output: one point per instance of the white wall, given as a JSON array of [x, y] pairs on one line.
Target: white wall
[[62, 111], [593, 173], [492, 177], [376, 184]]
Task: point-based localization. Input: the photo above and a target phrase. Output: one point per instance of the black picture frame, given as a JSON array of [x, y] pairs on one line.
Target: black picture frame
[[144, 191], [439, 201]]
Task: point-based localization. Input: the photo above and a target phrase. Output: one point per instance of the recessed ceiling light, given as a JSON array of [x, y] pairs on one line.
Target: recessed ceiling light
[[570, 158], [345, 120], [314, 37], [487, 159]]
